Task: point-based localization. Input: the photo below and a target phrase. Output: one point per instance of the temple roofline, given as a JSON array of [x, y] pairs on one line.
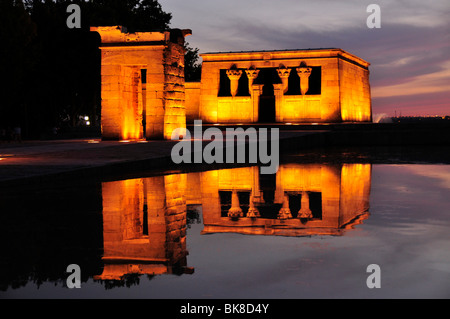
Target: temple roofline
[[283, 55], [265, 51], [119, 36]]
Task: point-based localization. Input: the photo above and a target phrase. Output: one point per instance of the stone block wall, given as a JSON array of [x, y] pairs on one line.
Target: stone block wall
[[344, 88], [234, 109], [192, 101], [174, 91], [355, 99], [142, 83]]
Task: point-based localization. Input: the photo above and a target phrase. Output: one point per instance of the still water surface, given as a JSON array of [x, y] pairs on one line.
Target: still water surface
[[170, 236]]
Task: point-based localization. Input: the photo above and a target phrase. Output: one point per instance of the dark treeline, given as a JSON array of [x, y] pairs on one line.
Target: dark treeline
[[51, 73]]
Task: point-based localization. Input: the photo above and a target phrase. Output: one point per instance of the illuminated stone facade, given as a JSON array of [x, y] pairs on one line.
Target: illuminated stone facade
[[298, 86], [142, 85], [144, 94]]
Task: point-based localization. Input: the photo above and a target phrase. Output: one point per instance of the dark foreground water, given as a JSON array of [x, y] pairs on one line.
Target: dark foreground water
[[170, 236]]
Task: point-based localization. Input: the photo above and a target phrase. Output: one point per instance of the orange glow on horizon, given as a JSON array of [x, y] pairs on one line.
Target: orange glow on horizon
[[435, 82]]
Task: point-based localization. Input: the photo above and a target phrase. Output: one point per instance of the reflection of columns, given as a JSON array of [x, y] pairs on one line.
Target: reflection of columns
[[304, 211], [304, 72], [252, 74], [253, 212], [278, 92], [283, 73], [235, 211], [234, 75], [285, 212], [255, 93]]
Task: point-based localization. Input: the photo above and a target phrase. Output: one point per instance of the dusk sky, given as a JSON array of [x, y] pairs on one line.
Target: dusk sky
[[409, 54]]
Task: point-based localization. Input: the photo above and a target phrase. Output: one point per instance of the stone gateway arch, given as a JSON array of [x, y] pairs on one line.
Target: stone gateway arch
[[142, 86]]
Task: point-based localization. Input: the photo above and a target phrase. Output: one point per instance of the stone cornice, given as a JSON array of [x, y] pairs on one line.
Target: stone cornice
[[252, 56]]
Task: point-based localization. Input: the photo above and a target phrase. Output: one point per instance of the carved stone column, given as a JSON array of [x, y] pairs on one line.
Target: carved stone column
[[304, 211], [256, 92], [253, 212], [279, 101], [284, 73], [252, 74], [234, 75], [235, 211], [304, 72], [285, 212]]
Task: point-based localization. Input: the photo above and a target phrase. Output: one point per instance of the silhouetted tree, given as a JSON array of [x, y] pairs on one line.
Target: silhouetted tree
[[53, 72], [19, 54], [135, 15], [192, 65]]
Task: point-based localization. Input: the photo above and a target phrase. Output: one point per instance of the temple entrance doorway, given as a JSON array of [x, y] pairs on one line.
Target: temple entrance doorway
[[267, 97], [267, 105]]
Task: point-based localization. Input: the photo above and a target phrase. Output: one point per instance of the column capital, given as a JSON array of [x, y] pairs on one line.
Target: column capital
[[305, 211], [304, 72], [252, 73], [257, 88], [234, 74], [285, 212], [283, 72], [235, 211], [253, 212]]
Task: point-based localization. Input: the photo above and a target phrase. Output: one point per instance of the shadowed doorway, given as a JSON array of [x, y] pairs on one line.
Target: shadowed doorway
[[267, 99]]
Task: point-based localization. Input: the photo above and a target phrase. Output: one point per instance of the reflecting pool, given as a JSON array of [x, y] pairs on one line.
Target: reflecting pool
[[309, 231]]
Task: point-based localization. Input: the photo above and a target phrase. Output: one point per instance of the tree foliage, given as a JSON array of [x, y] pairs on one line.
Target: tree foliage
[[192, 66], [19, 54]]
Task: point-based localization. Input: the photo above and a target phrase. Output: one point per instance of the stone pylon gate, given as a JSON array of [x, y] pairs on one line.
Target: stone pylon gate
[[142, 92]]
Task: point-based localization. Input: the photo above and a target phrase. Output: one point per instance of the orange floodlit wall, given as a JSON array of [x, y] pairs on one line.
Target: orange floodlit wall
[[354, 93], [192, 101], [142, 87], [323, 86]]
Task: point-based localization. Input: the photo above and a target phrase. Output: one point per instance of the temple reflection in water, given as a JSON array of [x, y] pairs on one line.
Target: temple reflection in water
[[144, 219]]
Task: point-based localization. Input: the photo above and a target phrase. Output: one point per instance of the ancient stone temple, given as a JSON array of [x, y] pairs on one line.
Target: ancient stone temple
[[144, 94], [298, 86], [142, 85]]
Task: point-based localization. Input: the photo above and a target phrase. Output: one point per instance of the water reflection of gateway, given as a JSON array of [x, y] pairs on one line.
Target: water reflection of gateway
[[144, 220], [144, 227]]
